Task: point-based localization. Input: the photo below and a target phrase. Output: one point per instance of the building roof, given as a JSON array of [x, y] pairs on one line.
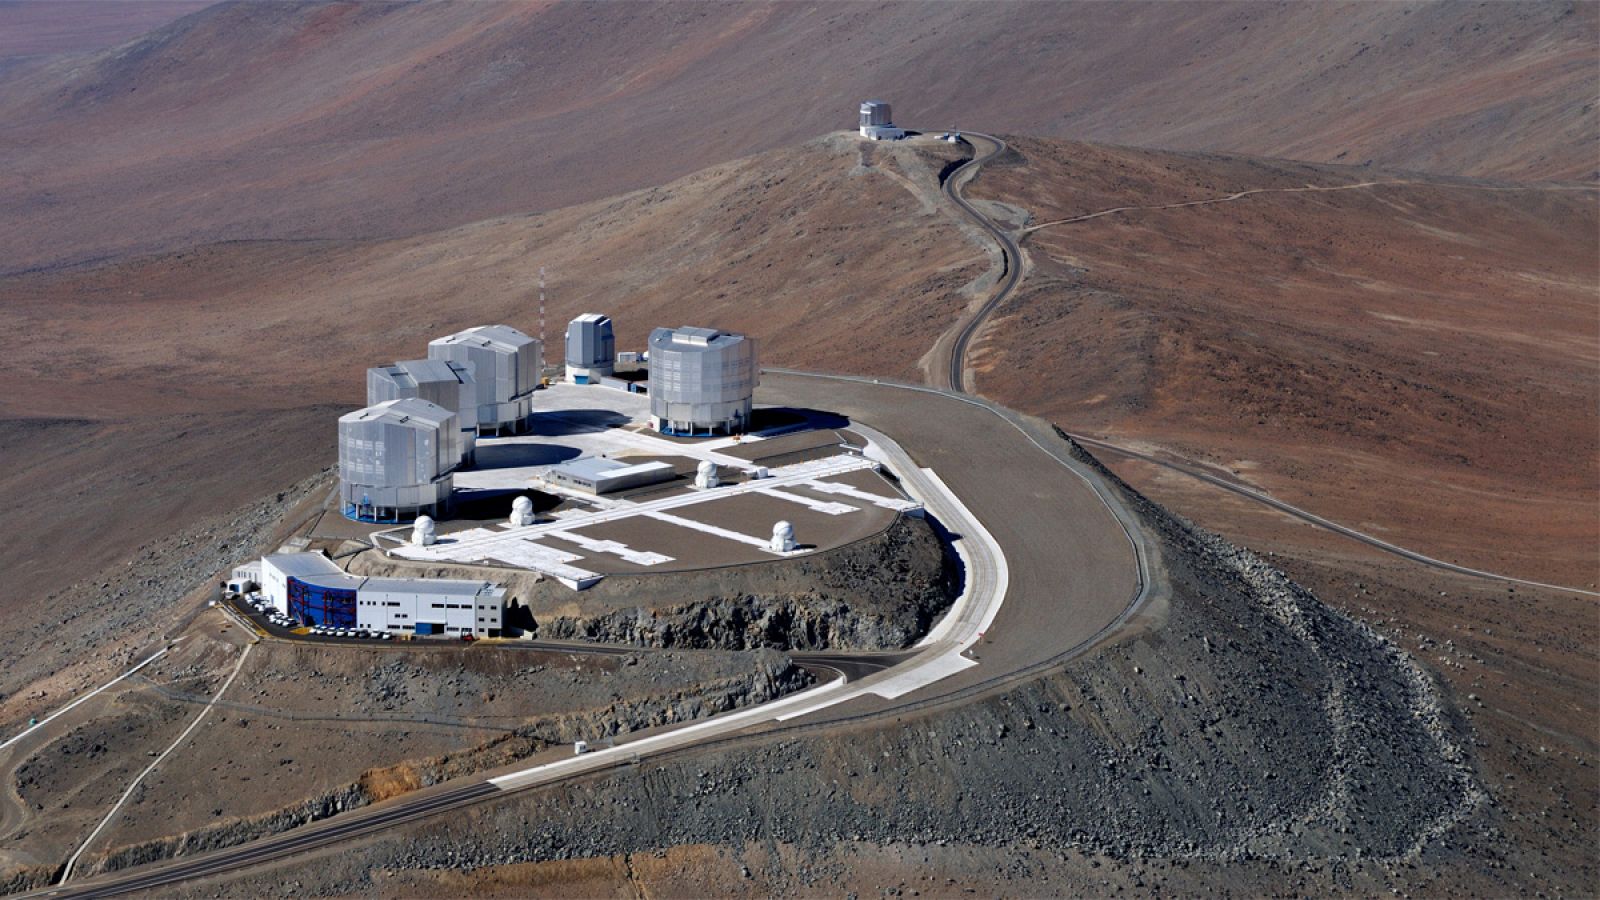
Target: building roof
[[412, 412], [320, 571], [596, 318], [691, 338], [503, 338], [302, 564], [592, 467], [437, 587], [314, 569], [411, 372]]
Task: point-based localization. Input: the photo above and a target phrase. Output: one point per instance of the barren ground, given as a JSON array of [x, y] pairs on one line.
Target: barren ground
[[1416, 359], [302, 120]]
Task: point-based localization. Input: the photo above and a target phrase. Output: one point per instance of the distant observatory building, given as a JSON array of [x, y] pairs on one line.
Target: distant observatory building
[[397, 459], [506, 365], [876, 124], [440, 382], [591, 348], [702, 381]]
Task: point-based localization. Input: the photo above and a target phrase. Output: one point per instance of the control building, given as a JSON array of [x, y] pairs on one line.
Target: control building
[[591, 349], [876, 124], [599, 475], [311, 589], [506, 365], [440, 382], [397, 459], [702, 381]]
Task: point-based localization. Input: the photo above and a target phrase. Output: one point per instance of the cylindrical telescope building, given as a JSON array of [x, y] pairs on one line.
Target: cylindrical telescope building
[[397, 459], [440, 382], [876, 124], [506, 365], [591, 348], [702, 381]]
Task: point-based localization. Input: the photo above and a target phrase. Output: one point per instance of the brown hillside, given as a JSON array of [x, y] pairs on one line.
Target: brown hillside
[[41, 27], [340, 120], [1416, 357]]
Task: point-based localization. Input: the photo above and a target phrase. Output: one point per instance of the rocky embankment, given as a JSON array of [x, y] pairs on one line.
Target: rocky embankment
[[1251, 722], [883, 592]]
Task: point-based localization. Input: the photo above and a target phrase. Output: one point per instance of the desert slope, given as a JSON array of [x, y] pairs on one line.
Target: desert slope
[[340, 120], [1411, 356]]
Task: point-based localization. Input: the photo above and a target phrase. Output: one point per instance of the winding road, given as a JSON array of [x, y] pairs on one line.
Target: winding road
[[1011, 257]]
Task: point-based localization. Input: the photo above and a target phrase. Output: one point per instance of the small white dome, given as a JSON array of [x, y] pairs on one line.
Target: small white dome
[[782, 537], [521, 512], [706, 475], [422, 531]]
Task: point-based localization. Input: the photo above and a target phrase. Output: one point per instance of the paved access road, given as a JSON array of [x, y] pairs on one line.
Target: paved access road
[[985, 148]]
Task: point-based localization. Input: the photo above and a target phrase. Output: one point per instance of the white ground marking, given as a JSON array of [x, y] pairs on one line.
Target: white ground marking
[[822, 506], [479, 543], [846, 490], [237, 667], [615, 548], [724, 533]]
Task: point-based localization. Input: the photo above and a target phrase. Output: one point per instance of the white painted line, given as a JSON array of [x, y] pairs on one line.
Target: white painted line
[[69, 707], [615, 548], [237, 668], [822, 506], [723, 533], [830, 487], [479, 543]]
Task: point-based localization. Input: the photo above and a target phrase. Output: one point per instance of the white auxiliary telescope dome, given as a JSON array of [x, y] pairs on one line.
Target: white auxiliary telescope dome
[[782, 537], [705, 475], [422, 532], [521, 512]]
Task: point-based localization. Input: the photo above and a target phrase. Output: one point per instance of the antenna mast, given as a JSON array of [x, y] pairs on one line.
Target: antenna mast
[[541, 306]]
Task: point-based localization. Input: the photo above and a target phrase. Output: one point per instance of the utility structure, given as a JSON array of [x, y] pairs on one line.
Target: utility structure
[[591, 349], [506, 366], [702, 381], [438, 381], [876, 124], [311, 589], [397, 460]]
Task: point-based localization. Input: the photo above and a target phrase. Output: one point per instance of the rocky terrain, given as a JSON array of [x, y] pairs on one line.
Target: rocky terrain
[[883, 592], [1254, 726]]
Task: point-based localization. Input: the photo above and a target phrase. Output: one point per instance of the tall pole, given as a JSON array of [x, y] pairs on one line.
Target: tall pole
[[541, 307]]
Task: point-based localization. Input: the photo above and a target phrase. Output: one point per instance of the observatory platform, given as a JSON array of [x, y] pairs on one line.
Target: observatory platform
[[818, 480]]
